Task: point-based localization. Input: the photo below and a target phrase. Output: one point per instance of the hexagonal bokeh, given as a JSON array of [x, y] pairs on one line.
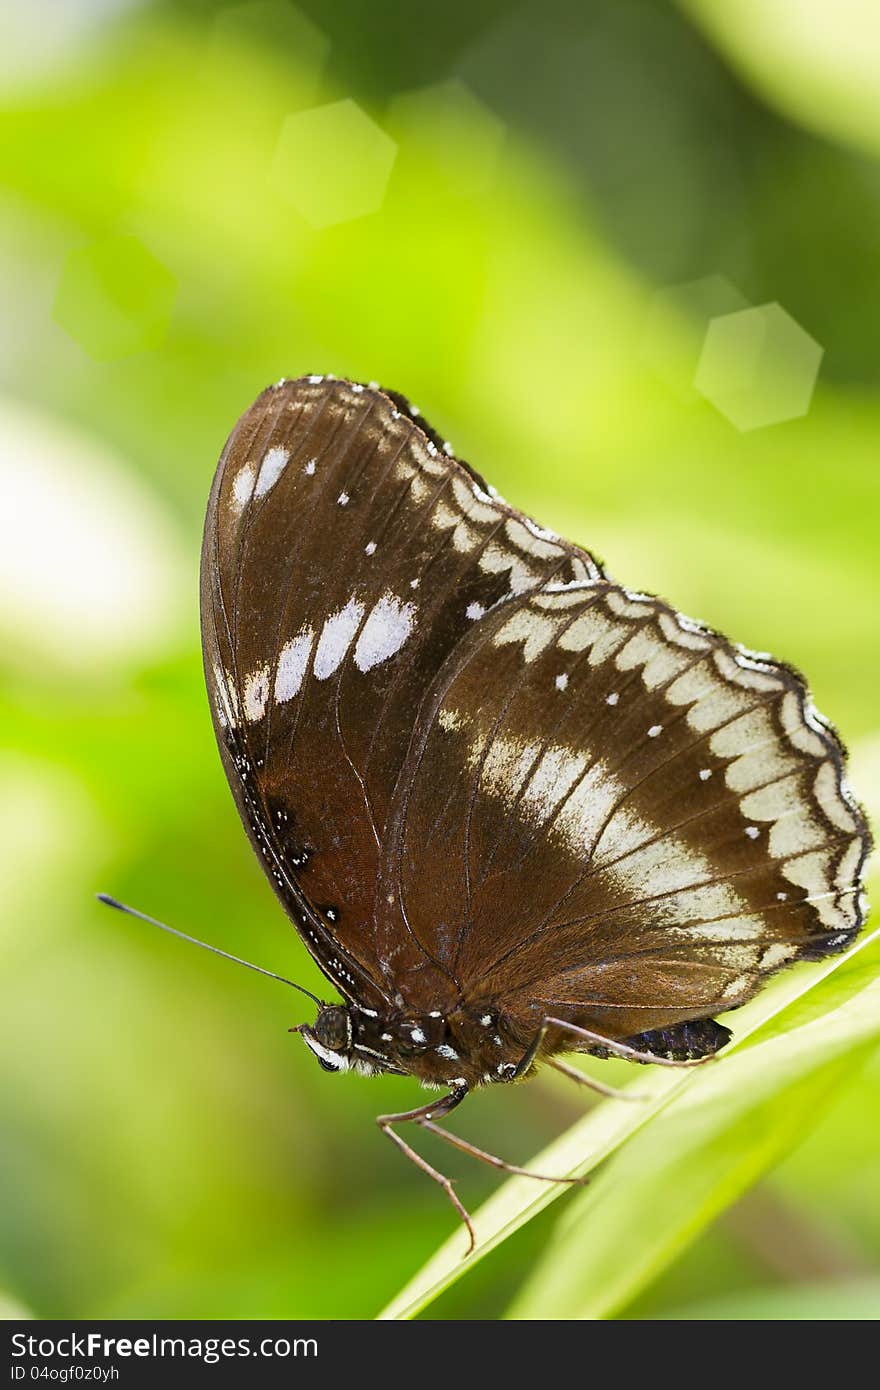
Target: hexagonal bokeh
[[115, 298], [333, 163], [675, 327], [448, 122], [275, 26], [758, 367]]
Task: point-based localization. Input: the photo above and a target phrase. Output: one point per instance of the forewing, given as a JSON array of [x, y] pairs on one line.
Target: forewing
[[345, 558]]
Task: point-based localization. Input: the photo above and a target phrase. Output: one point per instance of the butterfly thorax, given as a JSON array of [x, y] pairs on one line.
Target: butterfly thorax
[[473, 1045]]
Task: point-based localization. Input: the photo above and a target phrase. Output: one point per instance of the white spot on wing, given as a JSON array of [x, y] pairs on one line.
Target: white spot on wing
[[777, 954], [273, 465], [642, 863], [336, 638], [659, 662], [474, 611], [494, 560], [554, 775], [794, 834], [506, 765], [223, 702], [292, 663], [450, 720], [748, 927], [256, 690], [737, 987], [384, 633], [832, 798], [532, 629], [243, 487], [593, 632], [540, 531], [561, 681], [443, 517]]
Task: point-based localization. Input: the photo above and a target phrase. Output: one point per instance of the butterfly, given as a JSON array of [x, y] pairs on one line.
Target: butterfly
[[512, 808]]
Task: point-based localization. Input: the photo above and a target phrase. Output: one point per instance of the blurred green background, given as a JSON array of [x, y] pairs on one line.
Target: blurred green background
[[544, 222]]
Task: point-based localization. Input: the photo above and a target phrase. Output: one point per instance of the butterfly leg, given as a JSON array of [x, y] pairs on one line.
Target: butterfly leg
[[421, 1116], [466, 1147], [600, 1087]]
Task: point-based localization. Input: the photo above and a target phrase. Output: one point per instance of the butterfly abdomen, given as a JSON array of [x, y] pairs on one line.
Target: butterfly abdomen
[[684, 1042]]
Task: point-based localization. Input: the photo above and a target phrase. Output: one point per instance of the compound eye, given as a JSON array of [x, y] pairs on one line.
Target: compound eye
[[333, 1028]]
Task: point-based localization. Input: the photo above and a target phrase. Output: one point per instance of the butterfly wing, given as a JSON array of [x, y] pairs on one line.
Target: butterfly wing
[[345, 557], [627, 821], [473, 767]]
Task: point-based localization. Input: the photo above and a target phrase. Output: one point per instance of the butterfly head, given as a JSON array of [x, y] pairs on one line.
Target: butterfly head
[[331, 1037]]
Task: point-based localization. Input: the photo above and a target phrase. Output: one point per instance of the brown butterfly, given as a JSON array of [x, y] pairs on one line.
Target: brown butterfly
[[512, 808]]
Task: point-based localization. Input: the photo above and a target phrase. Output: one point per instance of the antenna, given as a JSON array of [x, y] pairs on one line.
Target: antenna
[[172, 931]]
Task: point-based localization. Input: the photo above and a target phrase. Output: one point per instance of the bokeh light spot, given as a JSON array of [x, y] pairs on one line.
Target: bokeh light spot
[[115, 298], [51, 832], [758, 367], [333, 163], [91, 574], [447, 122], [276, 28], [45, 37], [675, 326]]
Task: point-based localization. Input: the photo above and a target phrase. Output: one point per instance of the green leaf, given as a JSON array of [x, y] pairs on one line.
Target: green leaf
[[850, 1300], [718, 1138], [806, 1021]]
